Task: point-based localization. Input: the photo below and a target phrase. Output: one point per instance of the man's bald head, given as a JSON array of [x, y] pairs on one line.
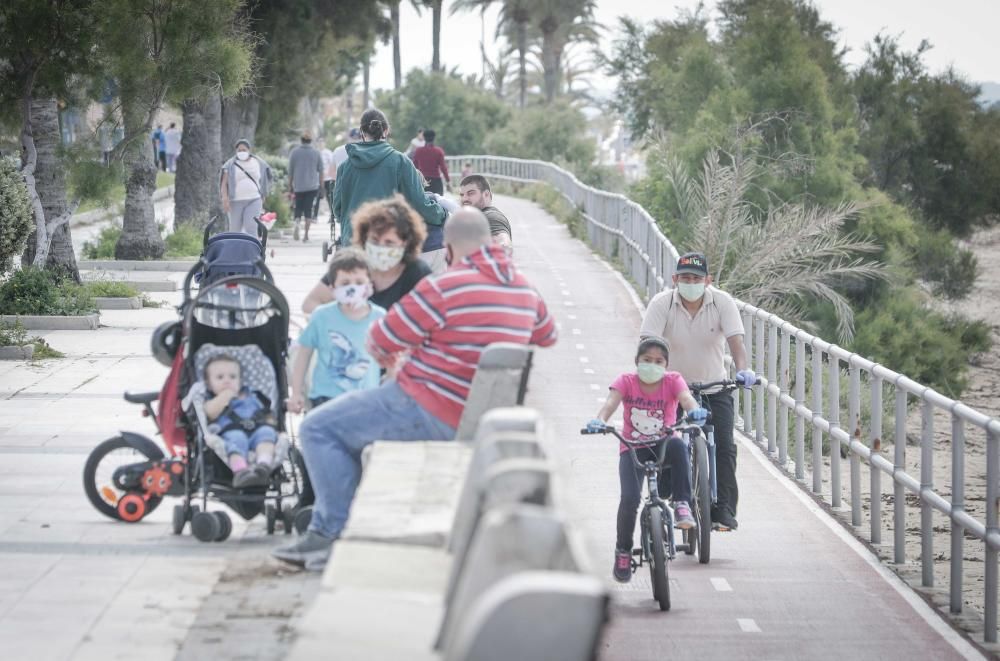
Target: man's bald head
[[466, 231]]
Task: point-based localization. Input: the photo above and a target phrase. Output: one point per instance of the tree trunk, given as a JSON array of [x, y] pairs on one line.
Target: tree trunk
[[397, 64], [239, 120], [50, 184], [140, 237], [522, 61], [366, 74], [196, 192], [550, 66], [436, 22]]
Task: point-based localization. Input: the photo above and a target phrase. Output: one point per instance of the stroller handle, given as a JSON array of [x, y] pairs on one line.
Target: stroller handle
[[210, 230]]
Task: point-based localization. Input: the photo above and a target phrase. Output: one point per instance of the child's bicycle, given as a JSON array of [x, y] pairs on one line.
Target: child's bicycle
[[656, 520], [698, 540]]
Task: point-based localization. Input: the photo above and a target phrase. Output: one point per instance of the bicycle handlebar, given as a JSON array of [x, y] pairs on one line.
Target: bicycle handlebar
[[683, 427], [725, 385]]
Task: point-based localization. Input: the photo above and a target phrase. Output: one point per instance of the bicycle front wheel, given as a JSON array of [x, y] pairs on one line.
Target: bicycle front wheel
[[702, 500], [658, 559]]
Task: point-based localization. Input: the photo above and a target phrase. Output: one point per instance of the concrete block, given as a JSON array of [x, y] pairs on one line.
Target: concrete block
[[500, 380], [55, 322], [154, 285], [389, 567], [17, 353], [509, 418], [180, 265], [118, 302]]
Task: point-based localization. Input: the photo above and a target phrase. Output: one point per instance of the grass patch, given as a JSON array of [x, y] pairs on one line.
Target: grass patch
[[35, 291], [553, 201], [103, 247], [148, 302], [111, 289], [116, 195], [184, 241], [15, 335]]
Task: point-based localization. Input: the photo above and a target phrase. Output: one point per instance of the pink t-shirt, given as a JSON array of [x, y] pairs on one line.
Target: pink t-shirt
[[647, 414]]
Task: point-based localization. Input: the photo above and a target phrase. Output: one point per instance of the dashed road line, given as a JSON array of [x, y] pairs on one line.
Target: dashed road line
[[584, 359], [721, 585], [747, 625]]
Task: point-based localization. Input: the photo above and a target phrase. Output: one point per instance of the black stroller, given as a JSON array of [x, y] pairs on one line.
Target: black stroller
[[244, 316]]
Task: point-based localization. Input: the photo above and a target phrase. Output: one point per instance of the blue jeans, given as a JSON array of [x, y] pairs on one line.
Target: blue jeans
[[334, 435], [238, 442]]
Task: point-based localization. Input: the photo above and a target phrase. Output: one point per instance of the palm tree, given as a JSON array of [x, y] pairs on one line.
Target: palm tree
[[397, 65], [436, 7], [779, 258], [514, 19], [561, 22]]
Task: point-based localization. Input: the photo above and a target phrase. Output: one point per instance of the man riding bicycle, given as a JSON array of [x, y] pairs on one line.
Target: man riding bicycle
[[699, 322]]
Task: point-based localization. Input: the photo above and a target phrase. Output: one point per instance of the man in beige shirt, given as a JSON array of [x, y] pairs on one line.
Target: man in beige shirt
[[699, 322]]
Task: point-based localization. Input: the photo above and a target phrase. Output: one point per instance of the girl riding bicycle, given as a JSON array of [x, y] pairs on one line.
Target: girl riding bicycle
[[650, 395]]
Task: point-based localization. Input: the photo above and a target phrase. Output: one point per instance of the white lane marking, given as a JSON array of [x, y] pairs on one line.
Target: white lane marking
[[565, 292], [576, 331], [580, 347], [584, 359], [600, 400], [571, 317], [926, 613], [594, 386], [587, 370], [747, 625], [569, 304], [721, 585]]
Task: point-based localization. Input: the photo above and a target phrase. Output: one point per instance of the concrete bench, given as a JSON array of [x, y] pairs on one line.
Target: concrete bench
[[501, 379]]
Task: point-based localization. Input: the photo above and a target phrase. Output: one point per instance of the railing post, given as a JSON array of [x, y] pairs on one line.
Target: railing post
[[926, 484], [758, 423], [817, 411], [800, 398], [898, 490], [833, 416], [747, 393], [992, 476], [772, 383], [854, 406], [874, 474], [786, 350], [957, 505]]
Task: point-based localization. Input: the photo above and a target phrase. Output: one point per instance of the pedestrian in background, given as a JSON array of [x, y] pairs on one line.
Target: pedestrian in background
[[416, 143], [429, 159], [305, 174], [244, 183], [172, 137], [160, 147]]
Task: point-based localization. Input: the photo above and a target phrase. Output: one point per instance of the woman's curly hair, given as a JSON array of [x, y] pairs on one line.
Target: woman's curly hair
[[375, 218]]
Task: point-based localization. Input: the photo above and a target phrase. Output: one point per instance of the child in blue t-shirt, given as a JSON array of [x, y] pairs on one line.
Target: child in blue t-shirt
[[337, 332]]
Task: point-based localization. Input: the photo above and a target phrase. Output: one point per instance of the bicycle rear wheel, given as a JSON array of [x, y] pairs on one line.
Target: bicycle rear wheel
[[658, 559], [702, 501]]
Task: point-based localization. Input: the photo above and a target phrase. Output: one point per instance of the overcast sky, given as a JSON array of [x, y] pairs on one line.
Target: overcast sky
[[965, 33]]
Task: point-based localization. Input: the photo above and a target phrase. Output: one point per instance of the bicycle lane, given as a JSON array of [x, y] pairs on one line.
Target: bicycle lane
[[785, 586]]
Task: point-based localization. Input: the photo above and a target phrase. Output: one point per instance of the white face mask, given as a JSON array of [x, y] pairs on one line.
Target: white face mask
[[352, 296], [691, 291], [243, 155], [383, 258]]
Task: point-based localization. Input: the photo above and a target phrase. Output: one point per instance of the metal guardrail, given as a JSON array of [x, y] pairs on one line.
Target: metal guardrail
[[793, 387]]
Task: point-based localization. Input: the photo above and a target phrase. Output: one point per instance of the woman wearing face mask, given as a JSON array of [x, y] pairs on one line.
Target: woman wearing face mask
[[244, 182], [374, 171], [391, 233]]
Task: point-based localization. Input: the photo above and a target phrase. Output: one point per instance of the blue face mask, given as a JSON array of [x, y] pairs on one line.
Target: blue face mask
[[650, 372]]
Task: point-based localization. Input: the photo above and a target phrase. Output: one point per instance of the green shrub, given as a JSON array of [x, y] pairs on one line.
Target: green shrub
[[277, 202], [933, 349], [184, 241], [553, 201], [14, 335], [103, 247], [17, 219], [951, 270], [111, 289], [37, 291]]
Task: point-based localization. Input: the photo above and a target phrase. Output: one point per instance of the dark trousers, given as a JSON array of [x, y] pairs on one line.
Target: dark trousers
[[721, 407], [631, 479], [161, 158], [436, 185]]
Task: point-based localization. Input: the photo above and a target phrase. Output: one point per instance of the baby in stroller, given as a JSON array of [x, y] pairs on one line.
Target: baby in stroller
[[242, 418]]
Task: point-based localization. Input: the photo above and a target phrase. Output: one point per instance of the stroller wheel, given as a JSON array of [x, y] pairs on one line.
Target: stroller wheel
[[302, 519], [326, 250], [225, 526], [180, 519], [272, 516], [205, 526], [288, 519]]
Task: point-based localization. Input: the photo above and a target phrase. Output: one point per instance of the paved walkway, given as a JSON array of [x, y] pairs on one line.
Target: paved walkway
[[76, 586]]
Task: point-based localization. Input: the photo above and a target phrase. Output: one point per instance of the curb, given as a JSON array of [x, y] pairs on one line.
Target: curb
[[54, 322], [17, 353], [136, 265], [97, 215], [153, 285], [118, 302]]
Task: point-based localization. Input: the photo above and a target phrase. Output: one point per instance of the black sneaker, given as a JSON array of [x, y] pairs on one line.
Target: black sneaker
[[723, 520], [622, 570], [311, 547]]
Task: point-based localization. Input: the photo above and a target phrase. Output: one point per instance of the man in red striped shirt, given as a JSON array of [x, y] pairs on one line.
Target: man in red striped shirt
[[444, 324]]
